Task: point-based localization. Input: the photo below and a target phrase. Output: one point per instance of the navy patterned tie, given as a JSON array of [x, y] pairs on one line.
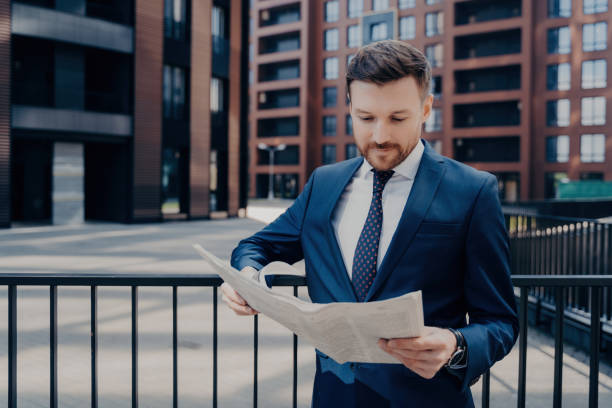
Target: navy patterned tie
[[366, 253]]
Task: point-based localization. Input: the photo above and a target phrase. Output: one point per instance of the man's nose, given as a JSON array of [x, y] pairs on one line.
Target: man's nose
[[381, 134]]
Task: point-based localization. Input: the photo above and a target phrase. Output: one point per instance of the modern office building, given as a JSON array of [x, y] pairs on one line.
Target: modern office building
[[520, 86], [122, 110]]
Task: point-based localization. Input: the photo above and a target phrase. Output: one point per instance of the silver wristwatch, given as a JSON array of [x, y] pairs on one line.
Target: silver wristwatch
[[457, 359]]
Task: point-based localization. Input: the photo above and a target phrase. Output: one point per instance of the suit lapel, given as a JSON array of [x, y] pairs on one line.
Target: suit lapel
[[431, 170]]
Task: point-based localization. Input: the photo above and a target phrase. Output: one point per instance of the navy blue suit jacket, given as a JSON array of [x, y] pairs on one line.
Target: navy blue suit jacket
[[451, 243]]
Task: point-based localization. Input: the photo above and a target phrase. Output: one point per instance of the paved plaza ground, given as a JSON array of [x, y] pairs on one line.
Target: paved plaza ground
[[166, 248]]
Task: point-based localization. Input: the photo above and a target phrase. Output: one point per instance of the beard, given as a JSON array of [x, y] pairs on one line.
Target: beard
[[393, 155]]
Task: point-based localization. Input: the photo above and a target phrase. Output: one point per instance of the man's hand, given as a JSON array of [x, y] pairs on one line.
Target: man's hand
[[424, 355], [234, 300]]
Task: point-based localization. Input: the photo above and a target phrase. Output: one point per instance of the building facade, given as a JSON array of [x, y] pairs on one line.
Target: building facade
[[520, 86], [122, 110]]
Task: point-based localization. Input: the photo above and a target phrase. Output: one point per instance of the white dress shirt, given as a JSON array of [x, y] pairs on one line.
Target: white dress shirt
[[348, 220]]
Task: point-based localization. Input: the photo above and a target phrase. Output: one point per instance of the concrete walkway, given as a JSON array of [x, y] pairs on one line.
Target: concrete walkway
[[166, 248]]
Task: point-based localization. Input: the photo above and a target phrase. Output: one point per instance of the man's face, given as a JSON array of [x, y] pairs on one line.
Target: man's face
[[387, 120]]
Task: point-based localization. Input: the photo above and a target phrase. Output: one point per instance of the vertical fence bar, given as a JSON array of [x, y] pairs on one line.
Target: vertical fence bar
[[522, 347], [295, 352], [486, 388], [215, 347], [94, 346], [53, 346], [595, 339], [255, 338], [134, 346], [558, 379], [12, 346], [174, 351]]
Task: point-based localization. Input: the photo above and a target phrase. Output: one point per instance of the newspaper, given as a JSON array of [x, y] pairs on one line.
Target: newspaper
[[344, 331]]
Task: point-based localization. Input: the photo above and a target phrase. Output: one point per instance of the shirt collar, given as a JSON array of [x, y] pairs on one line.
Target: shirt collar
[[407, 168]]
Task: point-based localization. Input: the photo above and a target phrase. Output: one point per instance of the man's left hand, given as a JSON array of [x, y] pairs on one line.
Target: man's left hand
[[424, 355]]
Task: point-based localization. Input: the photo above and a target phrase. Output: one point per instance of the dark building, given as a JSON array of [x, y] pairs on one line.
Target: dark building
[[520, 86], [122, 110]]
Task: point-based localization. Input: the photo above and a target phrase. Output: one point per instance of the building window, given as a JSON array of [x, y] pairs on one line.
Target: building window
[[558, 77], [378, 31], [332, 11], [329, 154], [592, 148], [329, 126], [331, 39], [552, 181], [593, 111], [406, 4], [594, 36], [557, 149], [216, 95], [595, 6], [174, 92], [559, 40], [349, 58], [558, 113], [349, 125], [218, 22], [434, 24], [351, 151], [434, 121], [435, 87], [437, 145], [432, 2], [330, 68], [407, 28], [175, 19], [559, 8], [355, 8], [353, 36], [379, 5], [594, 74], [330, 96], [434, 54]]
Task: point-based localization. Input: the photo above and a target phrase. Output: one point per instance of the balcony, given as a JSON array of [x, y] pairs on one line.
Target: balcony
[[487, 114], [278, 99], [488, 79], [488, 149], [279, 71], [478, 11], [280, 15], [488, 44], [276, 127], [279, 43]]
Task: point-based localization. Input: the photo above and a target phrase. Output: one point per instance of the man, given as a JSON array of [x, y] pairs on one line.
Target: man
[[400, 218]]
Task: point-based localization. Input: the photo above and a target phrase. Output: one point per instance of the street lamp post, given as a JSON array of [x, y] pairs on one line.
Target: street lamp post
[[271, 150]]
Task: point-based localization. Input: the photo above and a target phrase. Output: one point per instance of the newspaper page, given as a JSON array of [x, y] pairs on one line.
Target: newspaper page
[[345, 331]]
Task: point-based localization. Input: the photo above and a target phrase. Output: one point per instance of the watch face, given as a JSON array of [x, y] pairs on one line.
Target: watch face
[[456, 358]]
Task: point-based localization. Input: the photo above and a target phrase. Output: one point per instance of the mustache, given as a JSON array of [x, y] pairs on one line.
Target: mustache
[[383, 146]]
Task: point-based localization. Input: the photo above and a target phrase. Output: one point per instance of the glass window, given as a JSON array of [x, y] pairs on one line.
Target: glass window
[[559, 41], [595, 6], [351, 151], [329, 154], [407, 28], [594, 36], [593, 111], [331, 39], [355, 8], [216, 94], [558, 112], [349, 125], [330, 96], [435, 87], [558, 77], [431, 2], [406, 4], [349, 58], [434, 121], [378, 5], [557, 149], [559, 8], [329, 126], [174, 92], [330, 68], [592, 148], [594, 74], [434, 54], [434, 24], [175, 19], [332, 11], [218, 22], [378, 31], [353, 36]]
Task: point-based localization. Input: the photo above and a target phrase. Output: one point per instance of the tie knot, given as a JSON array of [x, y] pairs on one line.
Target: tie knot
[[381, 178]]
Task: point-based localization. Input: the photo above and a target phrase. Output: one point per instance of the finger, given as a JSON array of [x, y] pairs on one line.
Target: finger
[[418, 355], [232, 294], [242, 310], [417, 343]]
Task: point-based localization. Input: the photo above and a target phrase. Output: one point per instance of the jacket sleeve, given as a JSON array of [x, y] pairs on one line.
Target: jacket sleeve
[[278, 241], [493, 320]]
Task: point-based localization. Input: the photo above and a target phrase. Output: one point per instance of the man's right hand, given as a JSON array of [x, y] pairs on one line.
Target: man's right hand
[[234, 300]]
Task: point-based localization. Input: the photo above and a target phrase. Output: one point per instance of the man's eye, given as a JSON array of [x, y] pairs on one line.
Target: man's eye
[[365, 118], [398, 119]]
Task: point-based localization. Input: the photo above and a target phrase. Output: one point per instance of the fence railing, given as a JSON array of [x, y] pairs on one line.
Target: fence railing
[[558, 284]]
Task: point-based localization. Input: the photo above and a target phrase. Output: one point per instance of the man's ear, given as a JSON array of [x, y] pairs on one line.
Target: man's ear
[[427, 106]]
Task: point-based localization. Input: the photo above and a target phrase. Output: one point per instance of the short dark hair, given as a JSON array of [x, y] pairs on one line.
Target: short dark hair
[[389, 60]]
